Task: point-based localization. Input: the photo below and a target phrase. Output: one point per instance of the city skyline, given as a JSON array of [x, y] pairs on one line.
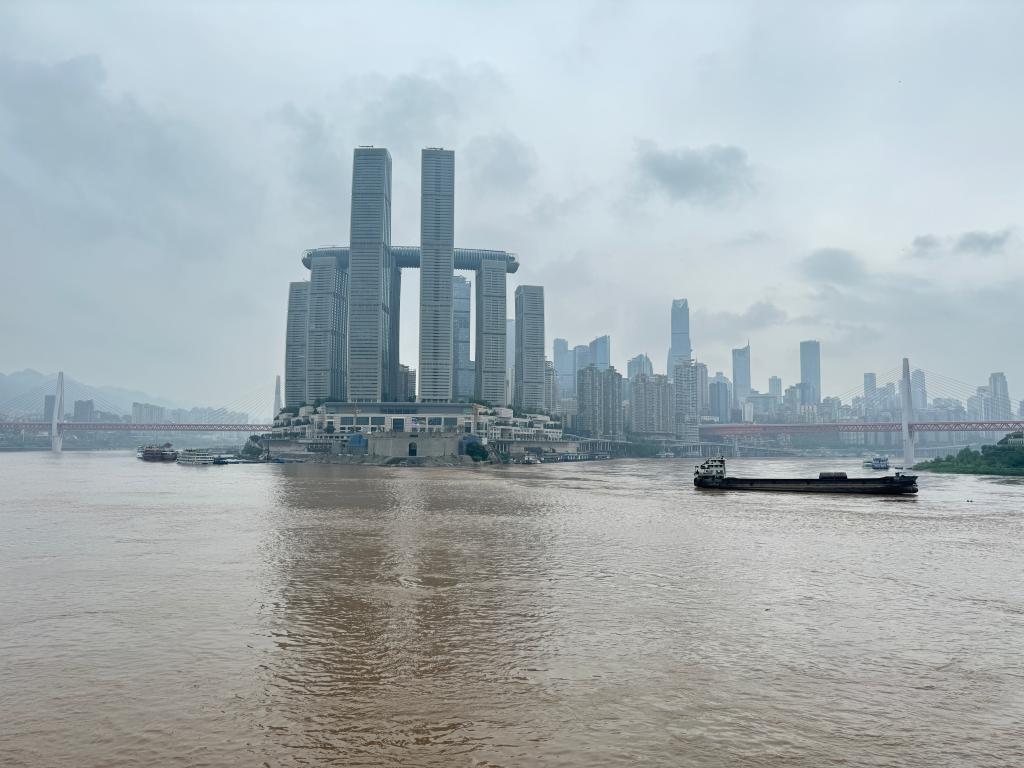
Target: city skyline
[[772, 235]]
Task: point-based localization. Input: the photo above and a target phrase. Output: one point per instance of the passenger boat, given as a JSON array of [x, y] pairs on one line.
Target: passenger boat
[[195, 456], [158, 453], [876, 462], [711, 474], [530, 459], [664, 455]]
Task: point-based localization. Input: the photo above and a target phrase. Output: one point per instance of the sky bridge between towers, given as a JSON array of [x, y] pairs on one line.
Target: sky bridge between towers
[[408, 257]]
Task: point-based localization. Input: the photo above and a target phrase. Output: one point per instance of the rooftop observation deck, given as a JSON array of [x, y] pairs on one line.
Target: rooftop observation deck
[[408, 257]]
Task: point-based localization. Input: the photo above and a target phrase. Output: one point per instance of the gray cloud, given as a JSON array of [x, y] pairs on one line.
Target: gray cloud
[[314, 148], [982, 243], [836, 266], [711, 175], [500, 162], [733, 327], [925, 246]]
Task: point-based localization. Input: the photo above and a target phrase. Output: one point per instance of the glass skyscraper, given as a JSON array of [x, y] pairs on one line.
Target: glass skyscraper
[[680, 351], [529, 359], [810, 368], [437, 262]]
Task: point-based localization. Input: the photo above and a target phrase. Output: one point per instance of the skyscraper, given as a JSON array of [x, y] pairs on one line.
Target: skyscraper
[[810, 369], [680, 350], [870, 392], [700, 372], [491, 322], [437, 263], [687, 415], [639, 364], [510, 360], [918, 390], [462, 376], [563, 359], [775, 386], [601, 352], [1000, 391], [325, 329], [295, 344], [652, 405], [551, 396], [529, 365], [580, 360], [48, 407], [720, 401], [83, 411], [599, 402], [372, 363], [740, 375]]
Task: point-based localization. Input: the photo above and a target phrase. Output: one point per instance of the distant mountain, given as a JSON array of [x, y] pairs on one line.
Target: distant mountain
[[24, 391]]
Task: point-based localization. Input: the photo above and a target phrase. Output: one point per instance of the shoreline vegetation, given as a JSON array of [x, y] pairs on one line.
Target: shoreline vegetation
[[1005, 458]]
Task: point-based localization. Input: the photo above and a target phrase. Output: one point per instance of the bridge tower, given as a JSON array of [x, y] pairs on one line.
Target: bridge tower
[[277, 398], [57, 423], [907, 410]]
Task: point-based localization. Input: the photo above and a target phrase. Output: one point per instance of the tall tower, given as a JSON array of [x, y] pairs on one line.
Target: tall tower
[[810, 368], [741, 375], [907, 416], [56, 430], [295, 344], [325, 330], [529, 365], [371, 277], [462, 362], [277, 398], [680, 351], [490, 328], [437, 264]]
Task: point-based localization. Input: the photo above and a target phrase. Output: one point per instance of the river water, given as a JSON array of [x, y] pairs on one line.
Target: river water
[[592, 614]]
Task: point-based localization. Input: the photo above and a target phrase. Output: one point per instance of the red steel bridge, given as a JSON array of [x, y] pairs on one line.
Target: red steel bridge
[[117, 426], [752, 429]]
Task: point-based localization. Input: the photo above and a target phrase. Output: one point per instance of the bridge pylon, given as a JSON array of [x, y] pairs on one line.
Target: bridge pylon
[[907, 410], [57, 422]]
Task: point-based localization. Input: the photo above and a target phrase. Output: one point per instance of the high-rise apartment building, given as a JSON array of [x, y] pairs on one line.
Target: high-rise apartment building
[[686, 412], [372, 363], [463, 371], [700, 372], [325, 330], [870, 392], [295, 344], [146, 413], [49, 407], [529, 359], [599, 403], [740, 375], [680, 350], [720, 401], [775, 386], [84, 411], [601, 352], [641, 364], [810, 369], [580, 359], [1000, 391], [918, 391], [551, 395], [437, 265], [652, 405]]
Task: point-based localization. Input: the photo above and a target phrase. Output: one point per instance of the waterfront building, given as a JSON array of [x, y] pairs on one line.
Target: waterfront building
[[550, 387], [740, 375], [810, 369], [601, 352], [686, 419], [775, 387], [463, 371], [529, 348], [146, 413], [720, 401], [599, 403], [372, 363], [510, 360], [491, 326], [652, 405], [325, 330], [563, 359], [84, 410], [437, 264], [680, 350], [295, 344]]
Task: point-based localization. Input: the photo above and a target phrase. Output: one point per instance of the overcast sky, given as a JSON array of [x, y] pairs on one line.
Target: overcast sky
[[846, 172]]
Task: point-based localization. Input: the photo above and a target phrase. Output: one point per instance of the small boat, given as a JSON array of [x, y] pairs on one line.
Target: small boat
[[664, 455], [158, 453], [530, 459], [711, 474], [196, 456], [876, 462]]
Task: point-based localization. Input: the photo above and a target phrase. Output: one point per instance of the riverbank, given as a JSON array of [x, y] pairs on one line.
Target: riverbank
[[1005, 459]]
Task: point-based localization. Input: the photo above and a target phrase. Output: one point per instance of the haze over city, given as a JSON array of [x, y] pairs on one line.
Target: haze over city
[[842, 173]]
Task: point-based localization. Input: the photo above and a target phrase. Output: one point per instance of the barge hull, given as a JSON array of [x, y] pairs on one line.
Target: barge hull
[[888, 486]]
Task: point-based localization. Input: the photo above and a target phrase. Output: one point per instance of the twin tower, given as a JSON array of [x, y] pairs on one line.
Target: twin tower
[[343, 323]]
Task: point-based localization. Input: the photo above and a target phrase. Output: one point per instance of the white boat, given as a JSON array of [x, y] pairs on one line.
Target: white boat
[[664, 455], [195, 456], [530, 459]]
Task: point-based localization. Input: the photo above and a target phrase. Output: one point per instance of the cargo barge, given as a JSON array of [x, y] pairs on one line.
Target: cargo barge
[[711, 474]]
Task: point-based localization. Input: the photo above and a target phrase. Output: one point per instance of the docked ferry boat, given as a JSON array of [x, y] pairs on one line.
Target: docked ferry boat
[[196, 456], [876, 462], [157, 452], [711, 474]]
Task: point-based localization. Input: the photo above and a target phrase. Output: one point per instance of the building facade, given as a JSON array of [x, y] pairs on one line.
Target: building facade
[[325, 330], [652, 405], [680, 349], [295, 344], [740, 375], [463, 372], [599, 403], [810, 369], [529, 353], [437, 265]]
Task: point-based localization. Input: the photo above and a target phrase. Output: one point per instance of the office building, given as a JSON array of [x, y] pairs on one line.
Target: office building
[[563, 359], [529, 358], [720, 401], [463, 371], [599, 403], [437, 265], [775, 387], [700, 373], [652, 405], [680, 349], [641, 364], [580, 360], [372, 363], [918, 391], [146, 413], [84, 411], [1000, 391], [49, 407], [601, 352], [810, 369], [295, 345], [740, 375], [551, 395], [407, 384], [870, 392]]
